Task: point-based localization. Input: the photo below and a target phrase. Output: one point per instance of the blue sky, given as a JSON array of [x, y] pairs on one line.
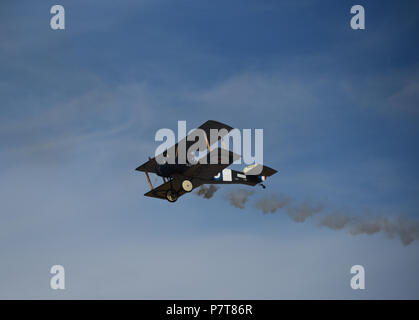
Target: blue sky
[[80, 108]]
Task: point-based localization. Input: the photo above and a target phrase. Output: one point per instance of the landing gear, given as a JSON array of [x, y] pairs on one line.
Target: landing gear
[[187, 185], [263, 186], [171, 196]]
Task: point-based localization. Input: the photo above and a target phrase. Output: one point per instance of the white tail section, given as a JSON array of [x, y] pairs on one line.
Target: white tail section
[[253, 170]]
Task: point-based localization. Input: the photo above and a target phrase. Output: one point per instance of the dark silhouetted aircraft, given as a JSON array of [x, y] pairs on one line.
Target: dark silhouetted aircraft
[[179, 179]]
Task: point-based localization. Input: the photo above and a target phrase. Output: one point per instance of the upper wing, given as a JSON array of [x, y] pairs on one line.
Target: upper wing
[[149, 166], [217, 160], [206, 127]]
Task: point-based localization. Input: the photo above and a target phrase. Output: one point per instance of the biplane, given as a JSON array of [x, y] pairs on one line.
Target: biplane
[[179, 179]]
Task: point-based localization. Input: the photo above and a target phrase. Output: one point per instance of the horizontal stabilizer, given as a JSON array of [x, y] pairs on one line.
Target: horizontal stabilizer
[[258, 169]]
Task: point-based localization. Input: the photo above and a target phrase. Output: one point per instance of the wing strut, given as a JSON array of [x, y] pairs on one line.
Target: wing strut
[[223, 144], [148, 179], [206, 140]]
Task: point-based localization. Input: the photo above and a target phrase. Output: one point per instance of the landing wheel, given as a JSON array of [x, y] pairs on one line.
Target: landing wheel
[[171, 196], [187, 185]]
